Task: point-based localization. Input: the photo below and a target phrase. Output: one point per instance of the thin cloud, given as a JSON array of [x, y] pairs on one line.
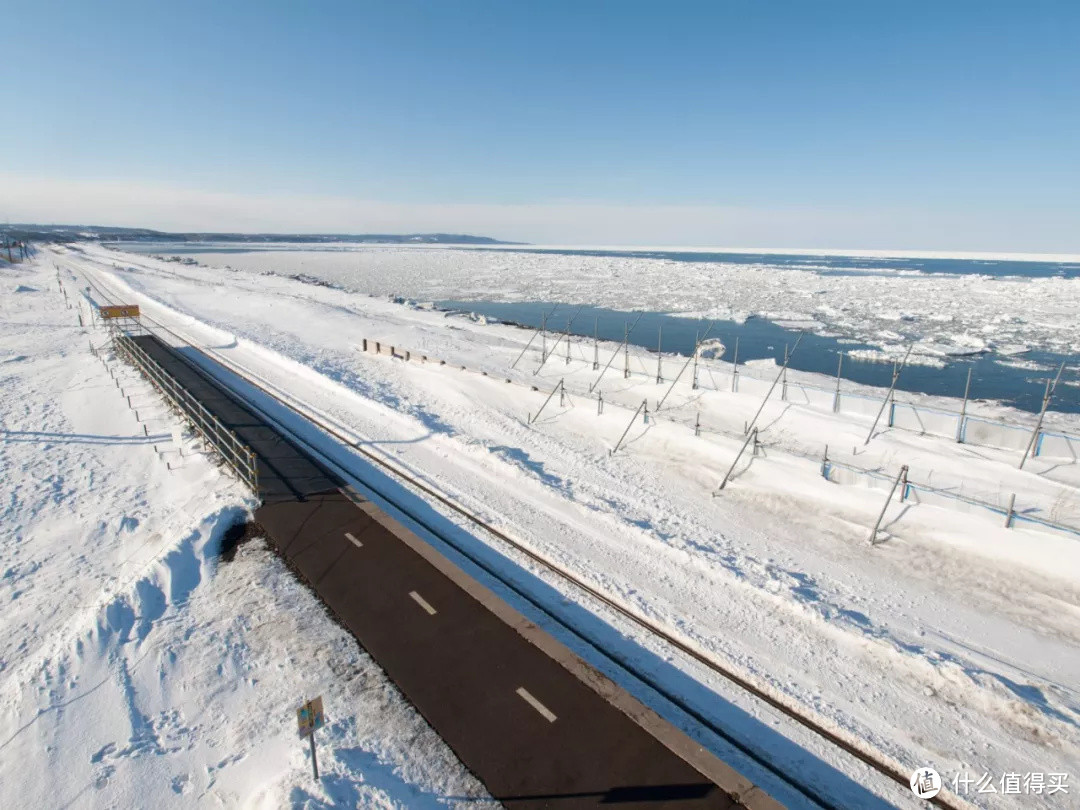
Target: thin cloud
[[58, 200]]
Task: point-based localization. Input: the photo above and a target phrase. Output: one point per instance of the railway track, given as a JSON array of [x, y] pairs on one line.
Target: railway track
[[879, 763]]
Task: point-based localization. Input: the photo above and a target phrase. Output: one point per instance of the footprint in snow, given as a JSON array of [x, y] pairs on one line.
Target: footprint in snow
[[103, 752]]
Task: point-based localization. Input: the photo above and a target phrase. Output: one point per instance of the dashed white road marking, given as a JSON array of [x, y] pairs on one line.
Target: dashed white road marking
[[422, 602], [545, 712], [353, 540]]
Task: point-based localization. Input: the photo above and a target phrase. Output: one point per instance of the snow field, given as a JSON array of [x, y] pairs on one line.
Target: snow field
[[136, 668], [954, 643]]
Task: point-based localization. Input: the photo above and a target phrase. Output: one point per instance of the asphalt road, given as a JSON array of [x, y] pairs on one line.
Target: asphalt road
[[536, 724]]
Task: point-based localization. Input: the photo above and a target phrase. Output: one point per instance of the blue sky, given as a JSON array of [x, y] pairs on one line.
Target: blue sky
[[946, 125]]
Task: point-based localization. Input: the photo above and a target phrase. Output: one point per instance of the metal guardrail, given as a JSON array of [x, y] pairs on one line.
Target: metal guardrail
[[237, 455]]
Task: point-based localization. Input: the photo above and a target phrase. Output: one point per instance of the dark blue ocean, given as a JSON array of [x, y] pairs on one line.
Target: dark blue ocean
[[991, 378]]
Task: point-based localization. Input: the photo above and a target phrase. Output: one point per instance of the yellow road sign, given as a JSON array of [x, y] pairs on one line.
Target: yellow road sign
[[121, 311]]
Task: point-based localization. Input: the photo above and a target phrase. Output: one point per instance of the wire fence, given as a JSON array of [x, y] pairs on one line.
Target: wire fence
[[1038, 516], [958, 426], [915, 492]]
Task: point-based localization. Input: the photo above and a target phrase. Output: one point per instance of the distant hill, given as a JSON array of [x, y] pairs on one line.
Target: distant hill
[[74, 233]]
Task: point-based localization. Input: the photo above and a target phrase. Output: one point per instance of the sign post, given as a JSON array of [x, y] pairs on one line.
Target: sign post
[[309, 717]]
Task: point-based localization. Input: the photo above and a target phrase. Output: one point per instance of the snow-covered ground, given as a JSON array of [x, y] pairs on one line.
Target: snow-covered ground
[[138, 669], [946, 313], [955, 642]]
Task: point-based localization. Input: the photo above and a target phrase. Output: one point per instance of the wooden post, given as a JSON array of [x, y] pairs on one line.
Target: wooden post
[[599, 402], [543, 343], [626, 350], [697, 424], [825, 463], [963, 409], [1011, 511], [567, 341], [874, 531]]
